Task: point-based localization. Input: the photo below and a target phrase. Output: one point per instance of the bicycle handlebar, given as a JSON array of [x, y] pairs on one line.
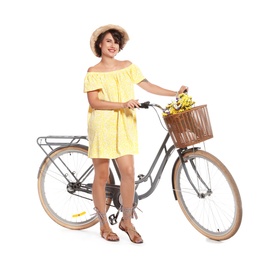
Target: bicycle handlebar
[[144, 104], [147, 104]]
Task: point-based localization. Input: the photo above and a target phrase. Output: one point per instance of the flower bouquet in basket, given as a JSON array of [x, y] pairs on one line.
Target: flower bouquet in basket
[[187, 124], [182, 103]]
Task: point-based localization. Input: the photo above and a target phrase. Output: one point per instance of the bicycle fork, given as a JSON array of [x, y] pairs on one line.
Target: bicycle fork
[[181, 153]]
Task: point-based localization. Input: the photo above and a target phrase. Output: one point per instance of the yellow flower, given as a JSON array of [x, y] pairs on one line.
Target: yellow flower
[[182, 103]]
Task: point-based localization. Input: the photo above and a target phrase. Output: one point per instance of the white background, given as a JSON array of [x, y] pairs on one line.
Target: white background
[[222, 50]]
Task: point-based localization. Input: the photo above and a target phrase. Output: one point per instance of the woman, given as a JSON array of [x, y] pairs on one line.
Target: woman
[[112, 130]]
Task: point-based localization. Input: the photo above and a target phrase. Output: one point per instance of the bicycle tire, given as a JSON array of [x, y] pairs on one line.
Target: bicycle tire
[[70, 210], [218, 216]]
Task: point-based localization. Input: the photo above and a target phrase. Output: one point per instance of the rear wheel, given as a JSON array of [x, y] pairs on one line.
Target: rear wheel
[[216, 211], [64, 187]]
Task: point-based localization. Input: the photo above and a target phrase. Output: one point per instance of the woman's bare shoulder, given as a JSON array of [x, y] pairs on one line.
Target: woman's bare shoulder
[[125, 63], [92, 68]]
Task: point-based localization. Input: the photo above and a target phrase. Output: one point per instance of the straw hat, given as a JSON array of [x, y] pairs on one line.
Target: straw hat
[[103, 29]]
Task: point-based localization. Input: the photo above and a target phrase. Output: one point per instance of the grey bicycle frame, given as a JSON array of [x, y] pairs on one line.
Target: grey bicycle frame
[[143, 178], [60, 141]]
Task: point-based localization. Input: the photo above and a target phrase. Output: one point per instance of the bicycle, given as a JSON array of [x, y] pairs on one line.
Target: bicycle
[[203, 186]]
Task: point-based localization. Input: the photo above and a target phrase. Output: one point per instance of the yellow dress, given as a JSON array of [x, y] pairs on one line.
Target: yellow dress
[[113, 133]]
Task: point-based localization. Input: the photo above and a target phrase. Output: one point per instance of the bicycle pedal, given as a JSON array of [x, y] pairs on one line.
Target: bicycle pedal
[[141, 176], [112, 219]]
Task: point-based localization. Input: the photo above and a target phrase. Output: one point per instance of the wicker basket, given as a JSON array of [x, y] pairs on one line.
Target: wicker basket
[[189, 127]]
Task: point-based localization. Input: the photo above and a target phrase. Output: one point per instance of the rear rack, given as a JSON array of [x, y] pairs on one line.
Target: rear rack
[[51, 142]]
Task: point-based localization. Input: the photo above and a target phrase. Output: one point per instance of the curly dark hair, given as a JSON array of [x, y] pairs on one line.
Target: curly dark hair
[[117, 36]]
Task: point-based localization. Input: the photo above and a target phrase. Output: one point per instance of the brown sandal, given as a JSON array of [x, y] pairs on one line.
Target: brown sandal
[[129, 213], [106, 233], [137, 239], [109, 235]]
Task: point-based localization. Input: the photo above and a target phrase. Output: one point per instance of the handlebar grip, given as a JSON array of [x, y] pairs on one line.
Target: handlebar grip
[[144, 104]]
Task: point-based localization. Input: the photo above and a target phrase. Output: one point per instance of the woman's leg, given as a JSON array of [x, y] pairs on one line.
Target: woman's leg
[[126, 167], [101, 167]]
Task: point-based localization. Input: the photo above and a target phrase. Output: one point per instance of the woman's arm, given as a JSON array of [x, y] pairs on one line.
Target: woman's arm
[[99, 104], [155, 89]]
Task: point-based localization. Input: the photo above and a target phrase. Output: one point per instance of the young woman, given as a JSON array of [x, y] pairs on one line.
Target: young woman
[[112, 129]]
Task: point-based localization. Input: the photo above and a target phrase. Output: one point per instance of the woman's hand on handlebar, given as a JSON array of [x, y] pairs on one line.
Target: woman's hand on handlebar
[[133, 103]]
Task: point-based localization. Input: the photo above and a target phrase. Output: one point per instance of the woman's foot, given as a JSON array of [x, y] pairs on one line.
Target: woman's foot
[[133, 235], [105, 229], [109, 235]]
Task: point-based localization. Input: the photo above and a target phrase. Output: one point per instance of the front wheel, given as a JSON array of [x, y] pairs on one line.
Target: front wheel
[[207, 195]]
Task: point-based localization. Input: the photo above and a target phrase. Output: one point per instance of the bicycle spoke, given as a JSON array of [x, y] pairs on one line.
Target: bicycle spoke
[[64, 186], [208, 195]]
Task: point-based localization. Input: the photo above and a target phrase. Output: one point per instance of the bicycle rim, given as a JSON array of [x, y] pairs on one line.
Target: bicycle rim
[[70, 209], [217, 211]]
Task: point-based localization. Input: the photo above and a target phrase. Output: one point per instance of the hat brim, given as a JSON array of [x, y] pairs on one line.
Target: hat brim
[[103, 29]]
